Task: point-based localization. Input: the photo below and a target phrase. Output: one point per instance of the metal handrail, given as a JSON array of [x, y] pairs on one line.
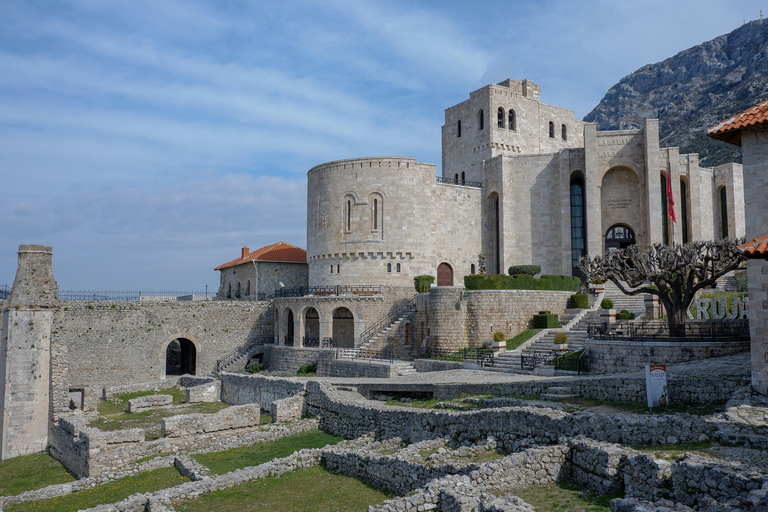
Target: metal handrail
[[723, 330], [234, 354], [341, 289], [530, 359], [382, 323]]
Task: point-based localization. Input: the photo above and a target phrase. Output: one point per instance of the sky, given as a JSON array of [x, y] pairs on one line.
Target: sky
[[148, 141]]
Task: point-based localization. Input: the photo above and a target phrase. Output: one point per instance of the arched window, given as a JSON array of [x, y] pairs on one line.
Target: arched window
[[472, 268], [456, 178], [664, 212], [564, 131], [458, 128], [389, 268], [500, 118], [348, 216], [480, 120], [331, 269], [462, 177], [551, 130], [377, 205], [237, 293], [724, 212], [578, 226], [248, 287], [338, 268], [229, 291], [512, 120], [684, 210], [398, 267]]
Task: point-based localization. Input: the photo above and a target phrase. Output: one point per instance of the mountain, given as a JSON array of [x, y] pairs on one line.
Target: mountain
[[692, 91]]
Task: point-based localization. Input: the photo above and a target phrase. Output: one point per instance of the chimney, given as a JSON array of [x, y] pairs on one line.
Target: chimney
[[245, 253]]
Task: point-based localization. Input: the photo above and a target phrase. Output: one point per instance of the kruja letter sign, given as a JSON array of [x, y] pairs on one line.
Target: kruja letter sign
[[708, 309]]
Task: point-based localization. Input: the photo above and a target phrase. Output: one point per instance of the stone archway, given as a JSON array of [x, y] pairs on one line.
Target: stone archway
[[311, 328], [618, 237], [180, 357], [289, 328], [343, 328]]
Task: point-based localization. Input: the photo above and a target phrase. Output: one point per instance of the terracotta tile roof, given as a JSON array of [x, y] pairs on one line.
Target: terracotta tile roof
[[280, 251], [730, 129], [755, 249]]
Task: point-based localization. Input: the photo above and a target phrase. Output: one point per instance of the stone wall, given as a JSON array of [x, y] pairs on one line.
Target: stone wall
[[238, 389], [98, 344], [235, 417], [629, 356], [288, 359]]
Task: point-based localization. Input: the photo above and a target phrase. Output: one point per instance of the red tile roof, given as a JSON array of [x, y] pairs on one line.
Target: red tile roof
[[280, 251], [730, 129], [756, 249]]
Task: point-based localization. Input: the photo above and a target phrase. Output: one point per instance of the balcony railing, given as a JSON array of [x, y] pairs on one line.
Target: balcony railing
[[321, 291], [456, 181]]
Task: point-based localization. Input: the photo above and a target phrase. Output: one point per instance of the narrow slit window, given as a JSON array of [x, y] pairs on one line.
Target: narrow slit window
[[375, 214], [480, 120], [458, 128], [564, 132], [398, 267], [389, 268], [500, 118], [551, 130], [512, 120]]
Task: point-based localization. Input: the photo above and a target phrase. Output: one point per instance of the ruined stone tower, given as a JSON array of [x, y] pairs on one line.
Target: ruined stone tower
[[25, 354]]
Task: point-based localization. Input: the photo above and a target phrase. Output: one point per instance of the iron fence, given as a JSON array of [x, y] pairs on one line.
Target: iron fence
[[530, 359], [457, 181], [690, 331], [370, 355], [483, 356], [309, 341], [129, 295], [574, 362], [344, 289]]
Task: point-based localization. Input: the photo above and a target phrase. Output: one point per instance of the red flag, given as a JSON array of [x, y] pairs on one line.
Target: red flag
[[671, 201]]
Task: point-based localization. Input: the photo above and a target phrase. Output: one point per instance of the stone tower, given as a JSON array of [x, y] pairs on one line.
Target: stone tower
[[25, 354]]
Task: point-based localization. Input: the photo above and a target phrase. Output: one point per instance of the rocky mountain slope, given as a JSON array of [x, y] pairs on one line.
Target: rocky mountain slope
[[692, 91]]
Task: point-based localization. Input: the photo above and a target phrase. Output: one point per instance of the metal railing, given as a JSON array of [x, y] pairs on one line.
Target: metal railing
[[309, 341], [5, 291], [719, 330], [382, 323], [482, 356], [342, 289], [573, 364], [533, 358], [456, 181], [244, 350], [288, 341], [370, 355], [127, 295]]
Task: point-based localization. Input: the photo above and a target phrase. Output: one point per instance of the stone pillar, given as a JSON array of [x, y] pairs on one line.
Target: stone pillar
[[592, 184], [25, 357], [653, 182], [674, 176]]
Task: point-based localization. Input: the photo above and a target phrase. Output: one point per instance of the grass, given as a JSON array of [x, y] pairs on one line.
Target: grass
[[237, 458], [108, 493], [564, 497], [674, 452], [642, 407], [119, 403], [728, 296], [308, 490], [516, 341], [150, 420], [30, 472]]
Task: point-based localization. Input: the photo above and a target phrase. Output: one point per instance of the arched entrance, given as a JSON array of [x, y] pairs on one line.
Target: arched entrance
[[618, 237], [289, 328], [311, 328], [444, 275], [343, 328], [180, 357]]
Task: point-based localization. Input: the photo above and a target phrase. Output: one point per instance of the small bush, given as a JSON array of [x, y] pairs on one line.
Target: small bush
[[625, 315], [741, 283], [531, 270], [521, 282], [580, 301], [422, 283], [254, 368], [474, 282], [308, 369], [606, 304], [499, 336], [560, 338], [545, 320]]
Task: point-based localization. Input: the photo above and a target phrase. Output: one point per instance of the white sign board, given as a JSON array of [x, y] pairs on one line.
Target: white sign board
[[656, 384]]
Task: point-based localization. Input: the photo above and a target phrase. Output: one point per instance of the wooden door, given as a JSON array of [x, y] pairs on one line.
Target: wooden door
[[444, 275]]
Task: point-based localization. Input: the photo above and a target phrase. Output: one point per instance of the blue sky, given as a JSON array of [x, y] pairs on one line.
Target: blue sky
[[147, 141]]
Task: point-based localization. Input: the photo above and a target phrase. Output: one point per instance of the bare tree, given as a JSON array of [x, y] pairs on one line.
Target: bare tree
[[675, 272]]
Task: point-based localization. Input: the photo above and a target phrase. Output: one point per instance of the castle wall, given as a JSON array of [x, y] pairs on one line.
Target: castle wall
[[456, 236], [95, 344], [260, 279]]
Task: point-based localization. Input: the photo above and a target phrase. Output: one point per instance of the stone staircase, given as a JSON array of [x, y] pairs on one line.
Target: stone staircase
[[632, 303], [404, 367], [558, 394], [383, 339]]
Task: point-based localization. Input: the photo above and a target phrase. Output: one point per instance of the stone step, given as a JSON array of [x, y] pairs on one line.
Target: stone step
[[548, 397]]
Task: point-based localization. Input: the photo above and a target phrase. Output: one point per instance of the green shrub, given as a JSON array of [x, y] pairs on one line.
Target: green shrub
[[474, 282], [254, 368], [531, 270], [308, 369], [422, 283], [625, 315], [499, 336], [545, 320], [580, 301], [560, 338], [606, 304], [741, 283], [562, 283]]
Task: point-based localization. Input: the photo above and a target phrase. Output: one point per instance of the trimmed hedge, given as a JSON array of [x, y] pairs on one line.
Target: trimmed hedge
[[521, 282], [545, 320], [499, 336], [625, 315], [531, 270], [580, 301], [422, 283], [606, 304]]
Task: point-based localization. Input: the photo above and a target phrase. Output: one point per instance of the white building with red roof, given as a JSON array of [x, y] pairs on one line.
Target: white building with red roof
[[255, 275]]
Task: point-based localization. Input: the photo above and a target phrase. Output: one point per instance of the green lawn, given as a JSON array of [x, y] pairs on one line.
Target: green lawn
[[30, 472], [516, 341], [564, 497], [236, 458], [108, 493], [307, 490]]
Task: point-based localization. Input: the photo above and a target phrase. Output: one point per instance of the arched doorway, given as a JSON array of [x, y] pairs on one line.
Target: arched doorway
[[343, 328], [180, 357], [618, 237], [289, 328], [444, 275], [311, 328]]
